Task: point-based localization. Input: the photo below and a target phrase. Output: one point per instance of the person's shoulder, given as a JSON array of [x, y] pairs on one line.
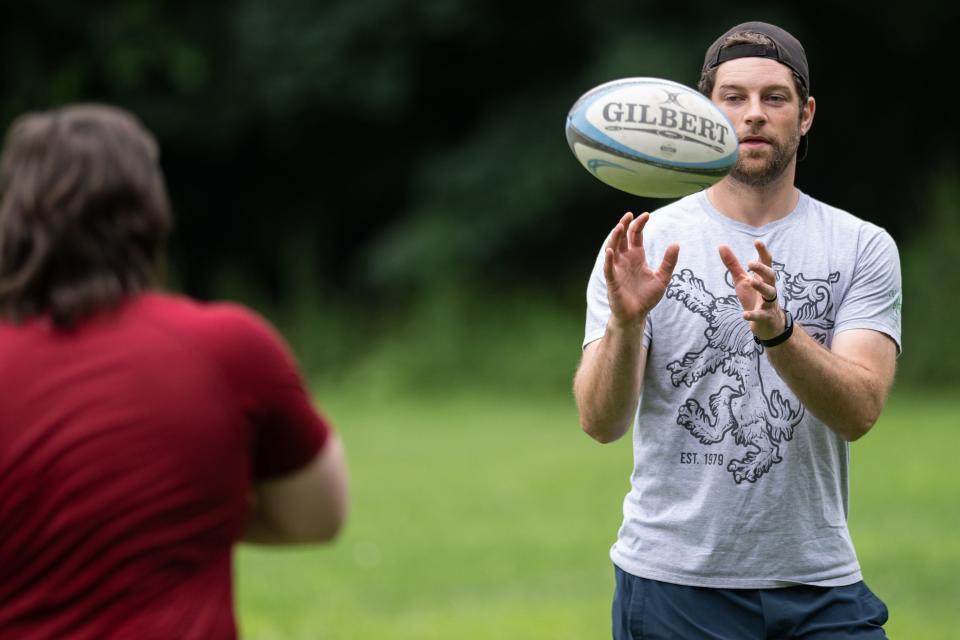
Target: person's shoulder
[[679, 213], [218, 321], [246, 346], [843, 221], [664, 224], [685, 206]]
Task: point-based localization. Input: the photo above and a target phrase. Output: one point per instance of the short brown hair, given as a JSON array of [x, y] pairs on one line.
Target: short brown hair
[[84, 213]]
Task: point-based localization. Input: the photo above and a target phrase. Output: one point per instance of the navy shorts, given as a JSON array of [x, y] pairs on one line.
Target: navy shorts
[[650, 610]]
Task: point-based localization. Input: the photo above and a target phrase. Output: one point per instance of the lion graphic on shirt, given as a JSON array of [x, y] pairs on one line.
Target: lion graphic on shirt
[[758, 415]]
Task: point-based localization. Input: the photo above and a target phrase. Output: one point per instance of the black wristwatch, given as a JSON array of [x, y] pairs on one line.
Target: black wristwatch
[[783, 337]]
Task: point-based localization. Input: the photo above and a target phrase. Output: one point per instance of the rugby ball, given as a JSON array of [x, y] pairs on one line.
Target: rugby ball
[[651, 137]]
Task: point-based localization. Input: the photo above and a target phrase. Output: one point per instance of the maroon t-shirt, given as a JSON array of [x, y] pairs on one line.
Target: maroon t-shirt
[[128, 447]]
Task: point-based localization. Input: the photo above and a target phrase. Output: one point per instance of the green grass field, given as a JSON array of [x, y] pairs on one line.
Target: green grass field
[[489, 516]]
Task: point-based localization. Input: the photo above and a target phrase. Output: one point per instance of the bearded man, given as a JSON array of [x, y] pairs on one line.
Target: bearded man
[[746, 363]]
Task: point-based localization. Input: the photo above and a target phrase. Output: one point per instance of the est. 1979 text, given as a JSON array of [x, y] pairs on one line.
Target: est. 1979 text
[[690, 457]]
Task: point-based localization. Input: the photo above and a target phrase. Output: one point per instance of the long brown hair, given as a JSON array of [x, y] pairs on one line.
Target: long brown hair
[[84, 213]]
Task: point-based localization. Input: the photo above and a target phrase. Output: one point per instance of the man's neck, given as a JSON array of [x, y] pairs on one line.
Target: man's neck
[[755, 206]]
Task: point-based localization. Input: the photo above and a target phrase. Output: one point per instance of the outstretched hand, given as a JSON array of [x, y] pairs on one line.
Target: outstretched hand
[[633, 288], [757, 291]]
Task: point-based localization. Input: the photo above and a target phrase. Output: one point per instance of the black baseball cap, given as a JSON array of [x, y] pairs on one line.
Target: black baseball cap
[[786, 50]]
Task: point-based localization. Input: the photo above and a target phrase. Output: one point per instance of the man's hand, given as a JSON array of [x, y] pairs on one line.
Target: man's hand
[[609, 378], [757, 291], [844, 386], [633, 288]]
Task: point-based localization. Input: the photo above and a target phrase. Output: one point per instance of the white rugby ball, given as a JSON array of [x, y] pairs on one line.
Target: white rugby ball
[[651, 137]]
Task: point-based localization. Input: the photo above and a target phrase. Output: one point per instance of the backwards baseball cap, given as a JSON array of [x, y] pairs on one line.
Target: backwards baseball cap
[[785, 49]]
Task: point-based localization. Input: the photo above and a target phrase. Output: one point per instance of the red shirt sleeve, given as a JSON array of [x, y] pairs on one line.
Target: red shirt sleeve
[[288, 431]]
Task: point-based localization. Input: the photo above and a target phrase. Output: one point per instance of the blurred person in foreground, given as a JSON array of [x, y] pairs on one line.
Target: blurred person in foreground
[[142, 434], [762, 343]]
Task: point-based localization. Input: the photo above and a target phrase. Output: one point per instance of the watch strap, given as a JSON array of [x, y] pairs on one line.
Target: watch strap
[[783, 337]]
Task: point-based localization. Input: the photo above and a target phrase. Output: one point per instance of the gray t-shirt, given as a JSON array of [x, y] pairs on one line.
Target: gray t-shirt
[[735, 483]]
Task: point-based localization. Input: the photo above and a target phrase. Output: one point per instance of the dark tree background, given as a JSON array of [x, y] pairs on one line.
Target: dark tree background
[[375, 152]]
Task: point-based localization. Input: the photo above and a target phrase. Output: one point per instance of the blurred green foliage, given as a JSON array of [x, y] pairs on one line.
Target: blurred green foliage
[[931, 281], [355, 168]]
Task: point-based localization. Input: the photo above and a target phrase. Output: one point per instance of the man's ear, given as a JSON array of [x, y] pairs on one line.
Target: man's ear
[[806, 116]]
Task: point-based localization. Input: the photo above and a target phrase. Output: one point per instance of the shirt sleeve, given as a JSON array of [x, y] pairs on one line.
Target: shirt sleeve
[[598, 304], [288, 431], [875, 296]]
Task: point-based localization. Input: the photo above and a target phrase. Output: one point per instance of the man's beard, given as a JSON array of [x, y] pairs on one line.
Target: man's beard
[[770, 170]]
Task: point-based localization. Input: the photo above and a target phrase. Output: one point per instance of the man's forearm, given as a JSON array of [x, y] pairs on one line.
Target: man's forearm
[[607, 384], [843, 394]]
